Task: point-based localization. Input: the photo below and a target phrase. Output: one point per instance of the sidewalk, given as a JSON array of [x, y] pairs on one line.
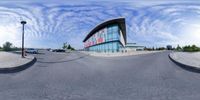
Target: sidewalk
[[186, 59], [118, 54], [10, 61]]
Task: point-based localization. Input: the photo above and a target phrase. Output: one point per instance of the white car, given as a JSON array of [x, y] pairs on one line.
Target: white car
[[31, 50]]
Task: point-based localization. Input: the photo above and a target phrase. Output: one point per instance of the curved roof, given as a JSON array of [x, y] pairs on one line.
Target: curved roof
[[119, 21]]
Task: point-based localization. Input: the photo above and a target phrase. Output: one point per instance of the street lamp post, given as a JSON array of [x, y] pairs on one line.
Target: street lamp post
[[23, 23]]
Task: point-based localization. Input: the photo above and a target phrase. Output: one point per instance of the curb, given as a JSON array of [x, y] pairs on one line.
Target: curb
[[18, 68], [184, 66], [118, 54]]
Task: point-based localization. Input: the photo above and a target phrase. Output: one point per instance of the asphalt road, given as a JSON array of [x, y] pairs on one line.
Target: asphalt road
[[76, 76]]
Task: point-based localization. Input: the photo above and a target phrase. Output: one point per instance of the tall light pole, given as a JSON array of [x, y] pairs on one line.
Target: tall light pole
[[23, 23]]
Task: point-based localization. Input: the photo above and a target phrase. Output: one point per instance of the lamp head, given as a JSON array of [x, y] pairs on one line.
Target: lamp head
[[23, 22]]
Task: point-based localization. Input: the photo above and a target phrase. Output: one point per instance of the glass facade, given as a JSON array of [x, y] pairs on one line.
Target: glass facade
[[105, 47], [104, 40]]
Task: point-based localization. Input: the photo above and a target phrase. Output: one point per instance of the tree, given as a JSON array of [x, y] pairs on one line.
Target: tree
[[7, 46], [64, 46], [72, 49], [178, 48], [153, 48], [161, 48], [195, 48], [69, 47]]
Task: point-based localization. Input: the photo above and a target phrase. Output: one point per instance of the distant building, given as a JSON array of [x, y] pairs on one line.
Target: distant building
[[109, 36], [133, 47], [169, 47]]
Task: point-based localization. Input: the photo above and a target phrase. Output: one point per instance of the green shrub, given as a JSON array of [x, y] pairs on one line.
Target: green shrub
[[192, 48]]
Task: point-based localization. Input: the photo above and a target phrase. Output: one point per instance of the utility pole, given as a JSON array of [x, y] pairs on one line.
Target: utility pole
[[23, 52]]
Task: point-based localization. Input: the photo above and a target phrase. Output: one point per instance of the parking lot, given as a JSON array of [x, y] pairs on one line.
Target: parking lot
[[77, 76]]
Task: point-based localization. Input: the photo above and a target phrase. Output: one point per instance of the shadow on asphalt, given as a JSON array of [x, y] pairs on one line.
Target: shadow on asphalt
[[39, 53], [17, 69], [191, 69], [64, 60], [39, 58], [185, 67]]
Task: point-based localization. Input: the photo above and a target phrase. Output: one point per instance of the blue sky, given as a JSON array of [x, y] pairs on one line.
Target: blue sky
[[50, 23]]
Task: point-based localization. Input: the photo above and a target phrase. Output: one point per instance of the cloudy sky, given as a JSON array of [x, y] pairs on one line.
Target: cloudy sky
[[52, 22]]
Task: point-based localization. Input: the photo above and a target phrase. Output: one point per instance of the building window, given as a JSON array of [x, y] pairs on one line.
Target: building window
[[112, 33], [110, 47], [107, 34]]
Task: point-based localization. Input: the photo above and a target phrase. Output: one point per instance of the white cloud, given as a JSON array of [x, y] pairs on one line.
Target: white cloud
[[147, 21]]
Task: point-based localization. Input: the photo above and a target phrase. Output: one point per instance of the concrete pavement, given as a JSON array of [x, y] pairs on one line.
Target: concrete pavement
[[10, 61], [76, 76], [187, 59], [118, 54]]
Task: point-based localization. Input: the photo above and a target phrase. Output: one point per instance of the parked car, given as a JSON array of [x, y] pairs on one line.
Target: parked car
[[48, 49], [32, 50], [58, 50], [54, 50]]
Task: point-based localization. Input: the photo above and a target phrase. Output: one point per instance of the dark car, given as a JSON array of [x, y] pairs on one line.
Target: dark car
[[54, 50], [58, 50], [48, 49]]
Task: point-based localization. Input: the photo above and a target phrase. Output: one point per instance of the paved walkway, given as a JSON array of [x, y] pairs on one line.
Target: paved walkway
[[119, 53], [190, 59], [11, 60]]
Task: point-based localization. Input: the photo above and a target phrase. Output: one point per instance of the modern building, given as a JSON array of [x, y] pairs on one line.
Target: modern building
[[109, 36]]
